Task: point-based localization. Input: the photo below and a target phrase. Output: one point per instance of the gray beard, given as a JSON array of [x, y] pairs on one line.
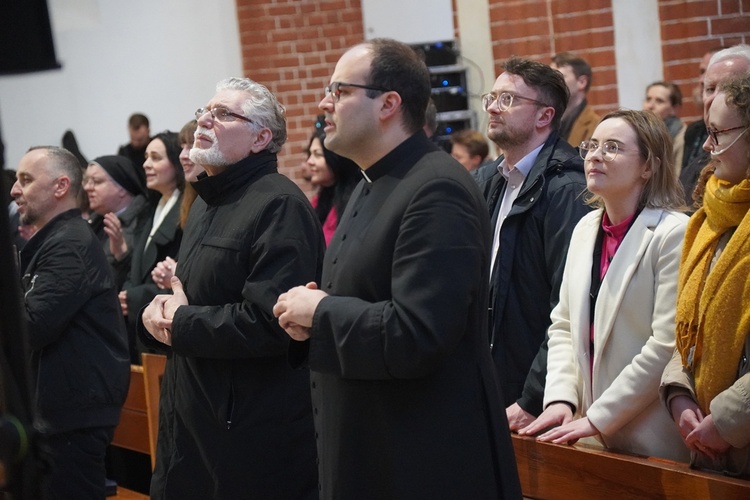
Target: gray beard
[[211, 157]]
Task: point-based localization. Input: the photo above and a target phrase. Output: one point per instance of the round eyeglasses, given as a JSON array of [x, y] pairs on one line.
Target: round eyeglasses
[[609, 149], [221, 114], [334, 89], [505, 100]]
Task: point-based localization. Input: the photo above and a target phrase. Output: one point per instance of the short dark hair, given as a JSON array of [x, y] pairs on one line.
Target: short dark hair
[[579, 65], [430, 116], [397, 67], [675, 96], [65, 163], [138, 120], [549, 84]]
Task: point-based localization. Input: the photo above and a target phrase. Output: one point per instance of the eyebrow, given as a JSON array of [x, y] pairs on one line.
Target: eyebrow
[[608, 140], [218, 105]]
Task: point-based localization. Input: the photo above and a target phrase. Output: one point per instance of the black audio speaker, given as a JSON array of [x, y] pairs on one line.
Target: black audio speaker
[[437, 54], [26, 37]]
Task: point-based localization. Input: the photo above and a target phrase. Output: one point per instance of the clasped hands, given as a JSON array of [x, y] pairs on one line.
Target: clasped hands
[[158, 315], [699, 432], [295, 310], [163, 272]]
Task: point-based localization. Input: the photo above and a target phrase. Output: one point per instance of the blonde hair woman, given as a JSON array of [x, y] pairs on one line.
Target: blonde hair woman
[[612, 332]]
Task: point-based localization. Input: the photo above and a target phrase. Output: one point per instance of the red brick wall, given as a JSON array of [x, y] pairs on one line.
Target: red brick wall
[[538, 29], [293, 45], [689, 29]]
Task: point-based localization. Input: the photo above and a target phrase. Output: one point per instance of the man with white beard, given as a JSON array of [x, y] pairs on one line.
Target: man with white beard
[[235, 419]]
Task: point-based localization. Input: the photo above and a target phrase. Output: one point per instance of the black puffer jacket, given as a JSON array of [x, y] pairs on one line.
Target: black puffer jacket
[[79, 351], [534, 242]]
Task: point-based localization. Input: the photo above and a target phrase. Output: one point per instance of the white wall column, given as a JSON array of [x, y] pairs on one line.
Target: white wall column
[[476, 50], [637, 49]]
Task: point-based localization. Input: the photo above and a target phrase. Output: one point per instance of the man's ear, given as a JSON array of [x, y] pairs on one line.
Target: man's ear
[[581, 82], [262, 140], [62, 186], [391, 104], [544, 118]]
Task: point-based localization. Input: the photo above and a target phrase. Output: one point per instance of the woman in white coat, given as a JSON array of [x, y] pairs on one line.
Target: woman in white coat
[[612, 332]]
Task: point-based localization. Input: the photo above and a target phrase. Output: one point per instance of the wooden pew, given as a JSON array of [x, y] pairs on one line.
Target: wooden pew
[[132, 431], [126, 494], [139, 421], [153, 371], [550, 471]]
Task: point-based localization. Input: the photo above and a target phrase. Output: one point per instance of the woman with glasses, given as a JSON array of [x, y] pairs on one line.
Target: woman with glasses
[[612, 332], [161, 235], [334, 175], [706, 386]]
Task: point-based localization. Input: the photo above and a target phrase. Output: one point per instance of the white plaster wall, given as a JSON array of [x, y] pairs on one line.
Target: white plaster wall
[[159, 57], [476, 51], [637, 49], [409, 21]]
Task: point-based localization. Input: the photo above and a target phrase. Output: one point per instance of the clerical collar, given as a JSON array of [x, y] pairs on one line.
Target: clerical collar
[[405, 154]]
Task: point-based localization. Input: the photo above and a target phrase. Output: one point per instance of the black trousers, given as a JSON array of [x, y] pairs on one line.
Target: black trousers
[[77, 468]]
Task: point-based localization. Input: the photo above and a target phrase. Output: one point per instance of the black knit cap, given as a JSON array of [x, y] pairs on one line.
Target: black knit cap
[[124, 173]]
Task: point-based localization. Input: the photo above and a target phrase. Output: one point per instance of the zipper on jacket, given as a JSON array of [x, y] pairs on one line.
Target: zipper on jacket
[[230, 406]]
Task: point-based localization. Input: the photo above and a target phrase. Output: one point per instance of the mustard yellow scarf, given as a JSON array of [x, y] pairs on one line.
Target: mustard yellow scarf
[[713, 309]]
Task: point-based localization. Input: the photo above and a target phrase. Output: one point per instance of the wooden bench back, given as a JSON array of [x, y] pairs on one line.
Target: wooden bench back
[[551, 471], [139, 420], [153, 371], [132, 431]]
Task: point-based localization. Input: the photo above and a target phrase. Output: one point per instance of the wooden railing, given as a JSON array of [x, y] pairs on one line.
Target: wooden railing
[[547, 471], [550, 471]]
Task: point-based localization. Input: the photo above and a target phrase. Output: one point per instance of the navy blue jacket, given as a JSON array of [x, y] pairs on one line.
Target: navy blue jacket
[[526, 279]]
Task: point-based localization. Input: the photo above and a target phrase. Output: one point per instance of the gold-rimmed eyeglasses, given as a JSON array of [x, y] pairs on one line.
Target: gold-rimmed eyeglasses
[[504, 100], [609, 149]]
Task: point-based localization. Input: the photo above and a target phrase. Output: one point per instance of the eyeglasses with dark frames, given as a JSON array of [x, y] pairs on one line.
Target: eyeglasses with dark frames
[[714, 134], [334, 89], [221, 114], [505, 100]]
